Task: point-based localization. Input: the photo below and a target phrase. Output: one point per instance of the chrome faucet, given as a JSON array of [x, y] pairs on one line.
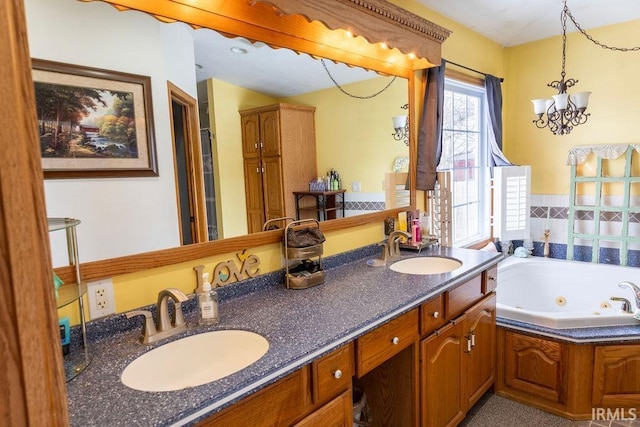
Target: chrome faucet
[[165, 326], [392, 245], [636, 290], [625, 306]]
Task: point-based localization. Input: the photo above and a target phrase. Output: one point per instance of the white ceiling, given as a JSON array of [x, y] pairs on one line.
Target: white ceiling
[[281, 72], [513, 22], [274, 72]]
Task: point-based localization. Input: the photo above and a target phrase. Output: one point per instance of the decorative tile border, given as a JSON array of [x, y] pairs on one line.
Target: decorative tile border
[[555, 212], [364, 206]]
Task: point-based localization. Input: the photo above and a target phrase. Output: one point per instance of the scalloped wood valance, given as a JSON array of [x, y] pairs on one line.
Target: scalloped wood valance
[[385, 38], [378, 21]]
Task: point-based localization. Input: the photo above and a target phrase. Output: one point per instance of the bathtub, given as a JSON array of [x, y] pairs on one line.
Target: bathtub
[[563, 294]]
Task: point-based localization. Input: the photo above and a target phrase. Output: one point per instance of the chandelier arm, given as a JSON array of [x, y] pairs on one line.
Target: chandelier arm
[[594, 41]]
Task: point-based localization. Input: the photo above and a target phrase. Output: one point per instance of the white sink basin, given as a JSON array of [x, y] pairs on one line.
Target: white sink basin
[[426, 265], [194, 360]]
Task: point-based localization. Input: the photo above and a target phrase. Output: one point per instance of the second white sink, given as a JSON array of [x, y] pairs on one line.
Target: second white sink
[[426, 265], [194, 360]]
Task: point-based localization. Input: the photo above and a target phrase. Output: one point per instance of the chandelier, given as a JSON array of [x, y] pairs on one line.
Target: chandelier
[[564, 111], [401, 127]]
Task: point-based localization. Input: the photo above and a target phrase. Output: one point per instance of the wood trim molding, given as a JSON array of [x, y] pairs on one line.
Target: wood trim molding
[[412, 42], [376, 20], [194, 154], [133, 263], [32, 375]]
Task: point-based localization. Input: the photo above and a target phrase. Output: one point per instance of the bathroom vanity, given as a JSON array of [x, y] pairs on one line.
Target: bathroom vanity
[[420, 346]]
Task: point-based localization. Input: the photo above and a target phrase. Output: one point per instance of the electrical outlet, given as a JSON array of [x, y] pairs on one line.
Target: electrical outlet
[[101, 298], [356, 186]]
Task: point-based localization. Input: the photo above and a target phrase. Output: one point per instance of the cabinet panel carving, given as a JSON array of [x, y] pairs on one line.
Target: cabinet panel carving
[[443, 400], [535, 366], [616, 376], [481, 366]]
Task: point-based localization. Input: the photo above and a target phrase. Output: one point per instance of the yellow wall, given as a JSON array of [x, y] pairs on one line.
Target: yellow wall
[[225, 100], [353, 136], [139, 289], [614, 104]]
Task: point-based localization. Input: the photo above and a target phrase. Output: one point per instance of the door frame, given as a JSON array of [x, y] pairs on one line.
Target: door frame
[[194, 162]]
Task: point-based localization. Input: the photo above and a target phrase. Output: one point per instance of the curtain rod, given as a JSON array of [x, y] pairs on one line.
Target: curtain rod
[[470, 69]]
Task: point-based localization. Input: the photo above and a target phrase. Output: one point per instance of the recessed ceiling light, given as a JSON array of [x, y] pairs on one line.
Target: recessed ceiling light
[[238, 50]]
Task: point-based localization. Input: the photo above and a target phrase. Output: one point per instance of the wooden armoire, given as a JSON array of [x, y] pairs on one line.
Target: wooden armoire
[[279, 151]]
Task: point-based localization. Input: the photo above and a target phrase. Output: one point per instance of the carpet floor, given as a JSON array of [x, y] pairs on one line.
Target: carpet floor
[[495, 411]]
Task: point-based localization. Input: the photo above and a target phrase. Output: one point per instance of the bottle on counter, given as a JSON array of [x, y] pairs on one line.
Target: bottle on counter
[[207, 303], [416, 234]]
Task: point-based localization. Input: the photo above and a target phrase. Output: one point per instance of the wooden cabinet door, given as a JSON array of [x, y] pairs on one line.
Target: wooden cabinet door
[[616, 376], [535, 366], [250, 136], [270, 133], [336, 413], [272, 188], [481, 360], [253, 194], [443, 394]]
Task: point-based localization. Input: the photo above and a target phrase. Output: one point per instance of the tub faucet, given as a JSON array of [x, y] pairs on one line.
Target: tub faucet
[[625, 306], [636, 291], [393, 247]]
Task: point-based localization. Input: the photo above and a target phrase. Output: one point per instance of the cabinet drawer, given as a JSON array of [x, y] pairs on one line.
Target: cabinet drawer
[[279, 404], [386, 341], [490, 280], [337, 413], [331, 374], [464, 296], [432, 315]]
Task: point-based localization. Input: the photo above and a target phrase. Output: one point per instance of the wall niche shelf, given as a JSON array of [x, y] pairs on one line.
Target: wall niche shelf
[[78, 359]]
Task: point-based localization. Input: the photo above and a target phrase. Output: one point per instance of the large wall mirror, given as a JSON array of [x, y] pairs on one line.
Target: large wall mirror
[[126, 216]]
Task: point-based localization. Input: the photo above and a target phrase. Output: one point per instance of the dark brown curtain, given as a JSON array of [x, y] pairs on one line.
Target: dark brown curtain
[[430, 129]]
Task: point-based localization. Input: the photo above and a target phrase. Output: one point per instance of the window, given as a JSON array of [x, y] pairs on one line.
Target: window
[[465, 155]]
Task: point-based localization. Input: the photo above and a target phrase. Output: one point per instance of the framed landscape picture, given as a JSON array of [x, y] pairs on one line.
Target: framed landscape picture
[[93, 123]]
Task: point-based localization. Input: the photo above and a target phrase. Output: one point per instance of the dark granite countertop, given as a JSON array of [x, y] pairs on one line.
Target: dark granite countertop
[[601, 335], [300, 325]]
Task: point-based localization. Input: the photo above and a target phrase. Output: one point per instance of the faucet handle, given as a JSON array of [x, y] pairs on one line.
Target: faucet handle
[[148, 328], [177, 314]]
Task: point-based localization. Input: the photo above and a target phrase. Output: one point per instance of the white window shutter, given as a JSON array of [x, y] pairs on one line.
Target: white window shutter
[[512, 202]]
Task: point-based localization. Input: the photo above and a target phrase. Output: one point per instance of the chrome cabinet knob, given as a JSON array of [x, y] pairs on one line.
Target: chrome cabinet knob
[[337, 374], [395, 340], [436, 314]]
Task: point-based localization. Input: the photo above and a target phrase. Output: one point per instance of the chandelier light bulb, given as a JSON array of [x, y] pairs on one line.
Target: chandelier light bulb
[[564, 111]]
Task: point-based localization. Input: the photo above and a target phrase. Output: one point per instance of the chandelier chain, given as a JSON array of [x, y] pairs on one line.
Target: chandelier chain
[[563, 18], [591, 39], [350, 94]]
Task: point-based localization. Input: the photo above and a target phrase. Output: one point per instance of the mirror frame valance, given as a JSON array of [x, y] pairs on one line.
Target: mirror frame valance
[[377, 35]]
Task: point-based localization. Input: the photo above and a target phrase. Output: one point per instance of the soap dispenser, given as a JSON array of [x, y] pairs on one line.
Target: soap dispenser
[[207, 303]]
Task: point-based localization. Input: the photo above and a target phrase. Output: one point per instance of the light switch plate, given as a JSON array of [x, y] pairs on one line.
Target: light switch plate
[[356, 186]]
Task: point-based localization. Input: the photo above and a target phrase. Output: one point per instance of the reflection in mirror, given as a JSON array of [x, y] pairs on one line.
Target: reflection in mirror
[[127, 216]]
